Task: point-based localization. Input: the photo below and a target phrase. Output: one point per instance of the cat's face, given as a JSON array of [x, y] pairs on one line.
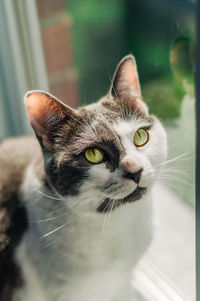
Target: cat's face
[[102, 155]]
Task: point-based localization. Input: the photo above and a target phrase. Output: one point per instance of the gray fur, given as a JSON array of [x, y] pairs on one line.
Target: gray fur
[[54, 182]]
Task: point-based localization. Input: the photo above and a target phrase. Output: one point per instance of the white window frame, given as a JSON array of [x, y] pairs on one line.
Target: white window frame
[[197, 87], [22, 63]]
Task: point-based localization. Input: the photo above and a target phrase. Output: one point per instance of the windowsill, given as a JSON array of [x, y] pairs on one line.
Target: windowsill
[[150, 286], [172, 252]]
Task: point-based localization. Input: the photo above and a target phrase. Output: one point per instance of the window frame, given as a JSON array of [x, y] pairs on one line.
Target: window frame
[[22, 63], [197, 206]]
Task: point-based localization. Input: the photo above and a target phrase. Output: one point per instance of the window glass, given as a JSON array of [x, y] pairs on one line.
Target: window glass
[[71, 48], [160, 34]]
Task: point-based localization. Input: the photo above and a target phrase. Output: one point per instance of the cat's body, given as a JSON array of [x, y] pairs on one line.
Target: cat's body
[[83, 260], [85, 225]]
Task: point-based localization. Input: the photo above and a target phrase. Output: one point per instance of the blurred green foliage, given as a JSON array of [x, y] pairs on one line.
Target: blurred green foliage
[[98, 44], [155, 33], [163, 98], [104, 31], [164, 95], [182, 64]]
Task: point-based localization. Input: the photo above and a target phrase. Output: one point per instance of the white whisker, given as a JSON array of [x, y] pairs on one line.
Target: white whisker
[[177, 158], [49, 196], [175, 179], [108, 206], [50, 219], [52, 242], [55, 230]]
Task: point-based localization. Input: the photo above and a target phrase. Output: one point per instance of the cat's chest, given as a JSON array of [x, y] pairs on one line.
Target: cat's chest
[[99, 241], [88, 236], [89, 249]]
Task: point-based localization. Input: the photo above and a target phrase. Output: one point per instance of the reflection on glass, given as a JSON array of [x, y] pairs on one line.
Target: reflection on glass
[[161, 36], [85, 40]]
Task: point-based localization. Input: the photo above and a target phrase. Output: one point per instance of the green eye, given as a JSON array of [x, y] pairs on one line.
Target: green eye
[[94, 155], [141, 137]]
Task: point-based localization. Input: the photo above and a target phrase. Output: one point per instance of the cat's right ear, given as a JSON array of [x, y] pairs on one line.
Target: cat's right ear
[[125, 86], [45, 114]]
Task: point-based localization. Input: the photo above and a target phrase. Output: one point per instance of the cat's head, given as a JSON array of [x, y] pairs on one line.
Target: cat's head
[[103, 154]]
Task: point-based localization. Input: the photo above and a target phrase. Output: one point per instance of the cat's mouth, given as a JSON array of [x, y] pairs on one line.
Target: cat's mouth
[[109, 204]]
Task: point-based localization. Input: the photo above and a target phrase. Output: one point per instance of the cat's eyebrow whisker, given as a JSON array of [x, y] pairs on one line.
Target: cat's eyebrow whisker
[[83, 123], [77, 120], [122, 110], [109, 76], [111, 81]]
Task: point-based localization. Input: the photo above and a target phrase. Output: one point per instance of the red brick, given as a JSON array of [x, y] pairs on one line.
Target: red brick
[[57, 47], [66, 91], [48, 8]]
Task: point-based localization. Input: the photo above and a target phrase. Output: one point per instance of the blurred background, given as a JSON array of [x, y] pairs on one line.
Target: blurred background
[[71, 48]]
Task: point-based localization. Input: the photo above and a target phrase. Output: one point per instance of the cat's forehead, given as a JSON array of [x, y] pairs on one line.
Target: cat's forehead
[[100, 124], [127, 127], [112, 110], [122, 119]]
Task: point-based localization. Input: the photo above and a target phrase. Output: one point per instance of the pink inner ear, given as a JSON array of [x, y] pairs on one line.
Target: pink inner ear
[[36, 105], [130, 75], [39, 106]]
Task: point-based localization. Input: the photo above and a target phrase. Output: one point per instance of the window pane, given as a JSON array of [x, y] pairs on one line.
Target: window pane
[[161, 36], [71, 49]]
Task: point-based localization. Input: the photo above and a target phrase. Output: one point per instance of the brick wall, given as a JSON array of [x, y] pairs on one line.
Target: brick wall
[[55, 26]]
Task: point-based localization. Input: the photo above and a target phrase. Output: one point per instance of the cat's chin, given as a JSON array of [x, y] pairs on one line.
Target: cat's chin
[[110, 204]]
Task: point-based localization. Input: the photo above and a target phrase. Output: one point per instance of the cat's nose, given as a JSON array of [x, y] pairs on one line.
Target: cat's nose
[[135, 176], [131, 170]]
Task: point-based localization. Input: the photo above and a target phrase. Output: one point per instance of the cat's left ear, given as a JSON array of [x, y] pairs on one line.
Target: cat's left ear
[[125, 86], [46, 114]]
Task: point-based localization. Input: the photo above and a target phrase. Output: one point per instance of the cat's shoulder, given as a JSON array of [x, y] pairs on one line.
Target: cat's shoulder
[[15, 155], [21, 148]]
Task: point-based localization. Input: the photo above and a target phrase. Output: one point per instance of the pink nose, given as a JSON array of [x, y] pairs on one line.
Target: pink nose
[[128, 165], [131, 171]]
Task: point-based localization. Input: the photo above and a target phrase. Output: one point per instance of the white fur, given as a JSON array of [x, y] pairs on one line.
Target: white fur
[[91, 255]]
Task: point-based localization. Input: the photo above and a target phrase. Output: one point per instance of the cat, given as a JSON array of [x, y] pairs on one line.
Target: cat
[[82, 195]]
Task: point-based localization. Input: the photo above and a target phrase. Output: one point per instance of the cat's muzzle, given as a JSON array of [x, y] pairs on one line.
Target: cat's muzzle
[[109, 204]]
